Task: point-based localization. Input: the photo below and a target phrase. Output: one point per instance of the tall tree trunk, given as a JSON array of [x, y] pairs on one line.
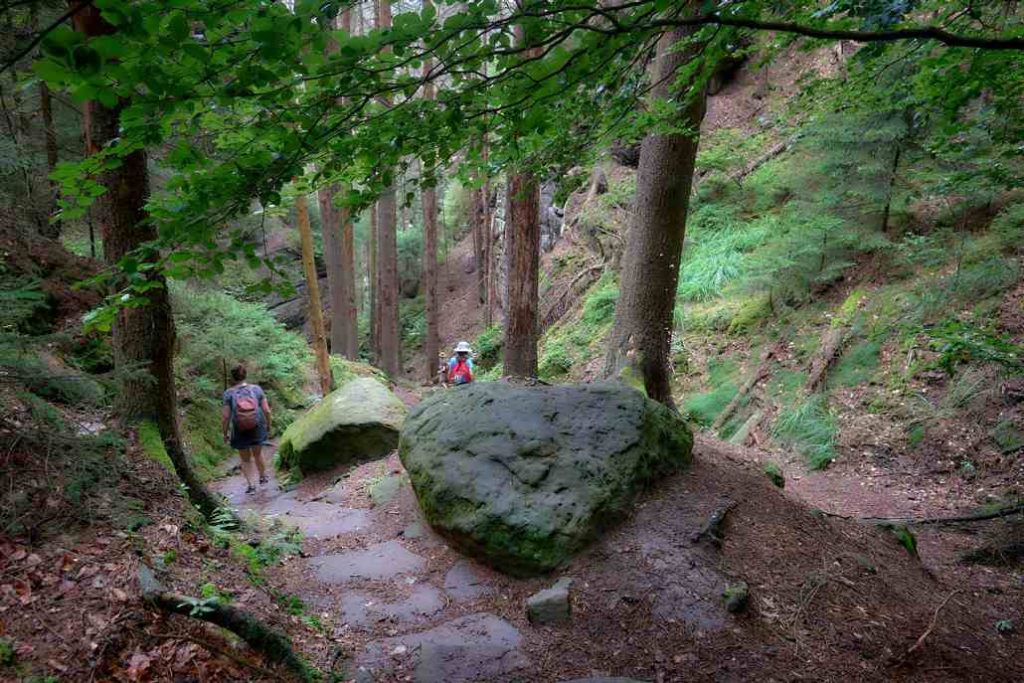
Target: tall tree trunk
[[387, 254], [489, 285], [387, 295], [641, 337], [374, 281], [338, 254], [432, 343], [314, 307], [143, 336], [46, 112], [522, 230], [523, 234]]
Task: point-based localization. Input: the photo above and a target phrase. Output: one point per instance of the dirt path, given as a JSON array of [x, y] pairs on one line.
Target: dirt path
[[402, 605]]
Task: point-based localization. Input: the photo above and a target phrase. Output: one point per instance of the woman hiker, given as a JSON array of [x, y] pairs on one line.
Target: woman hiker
[[245, 421]]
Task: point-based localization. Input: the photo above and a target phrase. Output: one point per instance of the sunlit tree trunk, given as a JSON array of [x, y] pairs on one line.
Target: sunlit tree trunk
[[143, 336], [641, 337], [314, 307]]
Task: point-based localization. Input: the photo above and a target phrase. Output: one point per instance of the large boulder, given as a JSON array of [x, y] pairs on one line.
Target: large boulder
[[359, 421], [523, 477]]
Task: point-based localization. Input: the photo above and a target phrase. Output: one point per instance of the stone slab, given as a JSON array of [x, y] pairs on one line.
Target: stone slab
[[382, 561]]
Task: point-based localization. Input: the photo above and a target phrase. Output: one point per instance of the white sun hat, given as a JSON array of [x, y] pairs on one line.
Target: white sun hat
[[463, 347]]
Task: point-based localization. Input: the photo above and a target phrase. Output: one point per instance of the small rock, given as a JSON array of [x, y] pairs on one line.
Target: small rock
[[414, 530], [736, 597], [551, 605]]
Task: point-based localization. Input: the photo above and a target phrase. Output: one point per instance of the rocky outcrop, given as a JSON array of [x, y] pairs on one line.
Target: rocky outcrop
[[523, 477], [359, 421]]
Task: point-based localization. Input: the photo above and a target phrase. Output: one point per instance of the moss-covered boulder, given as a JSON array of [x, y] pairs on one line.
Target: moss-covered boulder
[[359, 421], [523, 477]]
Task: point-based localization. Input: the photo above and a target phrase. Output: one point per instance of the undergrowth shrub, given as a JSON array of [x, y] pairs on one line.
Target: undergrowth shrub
[[555, 360], [487, 348], [810, 429], [599, 306]]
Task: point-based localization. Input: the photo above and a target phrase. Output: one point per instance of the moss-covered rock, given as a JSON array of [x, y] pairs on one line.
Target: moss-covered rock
[[523, 477], [359, 421]]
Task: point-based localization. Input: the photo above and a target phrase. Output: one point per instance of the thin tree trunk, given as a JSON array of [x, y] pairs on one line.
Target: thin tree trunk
[[889, 190], [523, 234], [489, 294], [143, 336], [431, 345], [46, 111], [314, 307], [330, 235], [374, 282], [350, 313], [387, 295], [642, 334], [387, 254]]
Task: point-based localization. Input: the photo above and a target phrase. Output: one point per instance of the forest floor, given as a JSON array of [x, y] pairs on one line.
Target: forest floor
[[830, 599]]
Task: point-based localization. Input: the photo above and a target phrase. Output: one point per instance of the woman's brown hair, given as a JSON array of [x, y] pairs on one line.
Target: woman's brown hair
[[238, 373]]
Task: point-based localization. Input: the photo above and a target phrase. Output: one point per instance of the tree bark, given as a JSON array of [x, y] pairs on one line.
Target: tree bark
[[387, 255], [374, 282], [143, 336], [339, 254], [891, 187], [315, 309], [641, 337], [431, 345], [387, 295], [523, 234]]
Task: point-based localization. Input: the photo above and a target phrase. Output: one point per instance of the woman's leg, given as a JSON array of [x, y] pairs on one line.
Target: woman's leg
[[246, 456], [257, 455]]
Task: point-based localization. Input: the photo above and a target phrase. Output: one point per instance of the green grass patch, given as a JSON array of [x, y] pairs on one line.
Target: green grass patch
[[703, 408], [152, 445], [810, 429], [857, 365]]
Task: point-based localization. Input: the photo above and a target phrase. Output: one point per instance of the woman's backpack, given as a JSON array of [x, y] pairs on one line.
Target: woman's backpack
[[460, 374], [247, 412]]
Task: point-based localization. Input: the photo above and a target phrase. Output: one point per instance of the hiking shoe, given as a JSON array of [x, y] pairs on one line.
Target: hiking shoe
[[250, 489], [263, 479]]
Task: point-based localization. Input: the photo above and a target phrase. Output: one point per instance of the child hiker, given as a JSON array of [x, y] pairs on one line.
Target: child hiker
[[460, 365]]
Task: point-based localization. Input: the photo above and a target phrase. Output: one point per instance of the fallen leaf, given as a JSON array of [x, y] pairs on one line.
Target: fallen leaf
[[138, 665], [23, 589], [53, 663], [18, 555], [119, 594]]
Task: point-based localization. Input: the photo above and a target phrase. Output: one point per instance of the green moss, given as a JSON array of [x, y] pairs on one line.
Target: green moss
[[751, 314], [357, 422], [555, 360], [774, 474], [153, 445]]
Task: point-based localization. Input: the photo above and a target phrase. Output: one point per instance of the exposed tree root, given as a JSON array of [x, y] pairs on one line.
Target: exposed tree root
[[712, 531], [262, 638], [961, 519]]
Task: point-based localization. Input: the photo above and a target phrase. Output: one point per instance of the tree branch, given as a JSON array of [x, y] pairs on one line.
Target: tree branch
[[915, 33], [42, 34]]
